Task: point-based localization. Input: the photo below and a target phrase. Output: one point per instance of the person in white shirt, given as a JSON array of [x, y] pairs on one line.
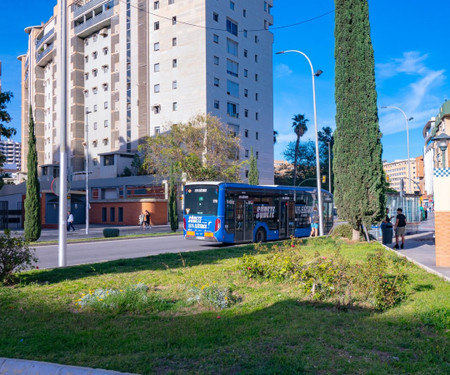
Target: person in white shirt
[[70, 221]]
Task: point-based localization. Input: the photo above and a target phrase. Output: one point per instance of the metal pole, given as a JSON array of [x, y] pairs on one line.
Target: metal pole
[[329, 167], [62, 229], [86, 157], [407, 141]]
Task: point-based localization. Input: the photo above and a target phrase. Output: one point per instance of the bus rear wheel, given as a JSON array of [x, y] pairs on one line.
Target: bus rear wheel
[[260, 235]]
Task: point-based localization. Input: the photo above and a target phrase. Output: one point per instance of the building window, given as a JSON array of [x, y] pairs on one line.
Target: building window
[[95, 107], [105, 123], [216, 104], [245, 112], [105, 87], [245, 53], [232, 27], [174, 106], [245, 33], [246, 93], [244, 12], [174, 20], [216, 60], [256, 116], [86, 76], [156, 109], [156, 46], [246, 174], [246, 153], [216, 38], [86, 58], [156, 5], [232, 88], [256, 39], [94, 55], [256, 77], [216, 82], [232, 110], [256, 96], [94, 72], [256, 58], [257, 155], [156, 88], [174, 85], [95, 125], [104, 214], [105, 105], [171, 2], [232, 5], [232, 68], [174, 42], [112, 214], [257, 135], [120, 214], [156, 68], [215, 17], [232, 47], [94, 90], [105, 50], [156, 25], [245, 73], [157, 130], [174, 63], [108, 160], [246, 133], [105, 68]]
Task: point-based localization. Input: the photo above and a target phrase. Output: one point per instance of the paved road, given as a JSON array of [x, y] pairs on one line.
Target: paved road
[[100, 251]]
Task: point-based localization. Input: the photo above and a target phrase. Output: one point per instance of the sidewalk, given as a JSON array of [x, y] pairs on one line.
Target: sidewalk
[[420, 248], [96, 231]]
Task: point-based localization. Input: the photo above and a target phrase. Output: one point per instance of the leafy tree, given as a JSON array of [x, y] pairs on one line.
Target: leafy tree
[[300, 128], [5, 118], [253, 174], [173, 213], [202, 148], [358, 170], [32, 200]]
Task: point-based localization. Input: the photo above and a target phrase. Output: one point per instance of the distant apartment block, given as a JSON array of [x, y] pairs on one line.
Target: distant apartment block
[[399, 170], [11, 150], [138, 66]]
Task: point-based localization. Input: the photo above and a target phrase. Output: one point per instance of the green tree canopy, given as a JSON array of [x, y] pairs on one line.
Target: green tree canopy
[[203, 148], [5, 118], [358, 170], [253, 174]]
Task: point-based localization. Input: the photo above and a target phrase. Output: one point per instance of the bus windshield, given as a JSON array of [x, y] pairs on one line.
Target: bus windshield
[[201, 200]]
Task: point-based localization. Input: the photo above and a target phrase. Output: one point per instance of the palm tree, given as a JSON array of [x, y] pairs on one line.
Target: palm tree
[[299, 125]]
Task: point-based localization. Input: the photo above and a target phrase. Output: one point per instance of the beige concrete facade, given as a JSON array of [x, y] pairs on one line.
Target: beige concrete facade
[[137, 66], [399, 170]]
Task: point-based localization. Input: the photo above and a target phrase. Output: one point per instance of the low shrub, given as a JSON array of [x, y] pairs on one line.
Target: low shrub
[[343, 231], [212, 296], [111, 232], [15, 256], [132, 299]]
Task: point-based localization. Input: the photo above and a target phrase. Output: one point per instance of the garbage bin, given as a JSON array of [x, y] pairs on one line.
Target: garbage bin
[[386, 233]]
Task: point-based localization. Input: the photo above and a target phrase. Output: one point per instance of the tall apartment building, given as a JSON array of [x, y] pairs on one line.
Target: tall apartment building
[[137, 66], [399, 170], [11, 150]]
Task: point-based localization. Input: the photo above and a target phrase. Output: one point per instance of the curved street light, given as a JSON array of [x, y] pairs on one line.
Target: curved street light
[[407, 139], [319, 187]]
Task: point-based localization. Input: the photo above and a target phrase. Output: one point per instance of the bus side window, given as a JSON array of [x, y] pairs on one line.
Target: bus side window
[[229, 214]]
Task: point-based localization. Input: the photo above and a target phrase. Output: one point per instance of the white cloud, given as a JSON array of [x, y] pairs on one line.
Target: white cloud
[[282, 70], [411, 63]]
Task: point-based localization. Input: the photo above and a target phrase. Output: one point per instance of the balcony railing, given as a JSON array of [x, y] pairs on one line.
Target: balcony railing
[[44, 38], [94, 21], [41, 55], [88, 5]]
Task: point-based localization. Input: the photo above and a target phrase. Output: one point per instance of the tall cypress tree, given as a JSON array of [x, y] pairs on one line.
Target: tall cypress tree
[[253, 174], [358, 169], [32, 200], [173, 213]]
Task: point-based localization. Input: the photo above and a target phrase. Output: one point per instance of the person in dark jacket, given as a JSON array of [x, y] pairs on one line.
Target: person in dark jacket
[[400, 228]]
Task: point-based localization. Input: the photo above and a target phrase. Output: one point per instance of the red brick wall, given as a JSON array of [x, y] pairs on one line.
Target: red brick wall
[[442, 231], [131, 212]]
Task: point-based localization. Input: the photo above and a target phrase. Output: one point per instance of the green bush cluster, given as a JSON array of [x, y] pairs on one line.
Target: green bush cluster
[[343, 231], [111, 232], [15, 256], [333, 278], [212, 296]]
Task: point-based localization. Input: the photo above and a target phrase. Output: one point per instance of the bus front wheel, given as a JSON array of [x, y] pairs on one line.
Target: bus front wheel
[[260, 235]]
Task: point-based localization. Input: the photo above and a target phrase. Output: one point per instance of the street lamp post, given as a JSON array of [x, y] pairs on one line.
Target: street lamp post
[[442, 141], [86, 157], [407, 139], [329, 166], [319, 188]]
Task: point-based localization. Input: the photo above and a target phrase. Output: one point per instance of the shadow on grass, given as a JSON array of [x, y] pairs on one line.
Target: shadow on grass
[[285, 337], [150, 263]]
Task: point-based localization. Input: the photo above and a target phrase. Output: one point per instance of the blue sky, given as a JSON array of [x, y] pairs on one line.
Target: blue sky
[[411, 56]]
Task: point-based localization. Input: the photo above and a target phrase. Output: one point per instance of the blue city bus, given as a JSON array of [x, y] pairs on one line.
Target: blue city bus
[[235, 213]]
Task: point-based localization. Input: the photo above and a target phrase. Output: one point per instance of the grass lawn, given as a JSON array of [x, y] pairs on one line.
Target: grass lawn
[[273, 328]]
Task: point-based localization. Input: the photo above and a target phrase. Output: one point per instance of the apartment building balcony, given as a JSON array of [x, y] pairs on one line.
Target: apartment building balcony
[[45, 38], [93, 16], [83, 6], [44, 55]]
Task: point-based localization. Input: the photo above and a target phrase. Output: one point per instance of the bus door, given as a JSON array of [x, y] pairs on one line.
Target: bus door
[[283, 219], [291, 218], [244, 221]]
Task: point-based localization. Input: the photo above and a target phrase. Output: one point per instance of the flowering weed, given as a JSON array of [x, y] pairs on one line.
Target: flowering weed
[[213, 296]]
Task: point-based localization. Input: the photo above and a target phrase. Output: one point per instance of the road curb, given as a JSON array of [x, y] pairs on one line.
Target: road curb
[[26, 367], [426, 268]]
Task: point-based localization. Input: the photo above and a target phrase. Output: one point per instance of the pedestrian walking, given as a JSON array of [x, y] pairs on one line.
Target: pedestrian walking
[[400, 228], [70, 221], [314, 220], [387, 219], [141, 220], [147, 219]]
